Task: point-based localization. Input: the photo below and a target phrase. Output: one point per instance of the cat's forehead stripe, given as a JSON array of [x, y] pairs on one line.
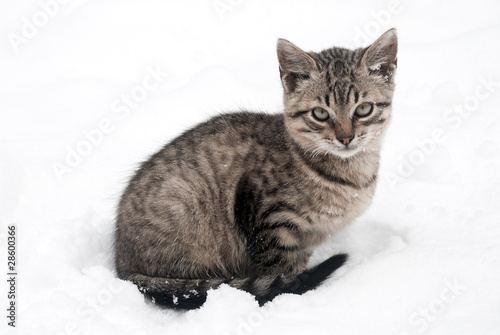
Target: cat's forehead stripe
[[340, 94], [327, 100], [342, 91], [333, 90]]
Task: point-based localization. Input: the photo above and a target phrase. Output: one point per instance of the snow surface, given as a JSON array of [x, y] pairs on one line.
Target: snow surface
[[425, 258]]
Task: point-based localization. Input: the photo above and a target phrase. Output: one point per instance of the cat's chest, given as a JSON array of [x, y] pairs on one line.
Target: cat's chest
[[330, 210]]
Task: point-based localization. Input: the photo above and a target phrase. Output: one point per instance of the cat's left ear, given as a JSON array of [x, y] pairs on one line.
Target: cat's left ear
[[295, 65], [381, 57]]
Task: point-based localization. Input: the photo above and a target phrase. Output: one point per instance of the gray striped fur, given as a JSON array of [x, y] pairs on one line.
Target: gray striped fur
[[245, 197]]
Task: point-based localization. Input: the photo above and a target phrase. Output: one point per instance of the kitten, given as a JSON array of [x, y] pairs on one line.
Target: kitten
[[244, 198]]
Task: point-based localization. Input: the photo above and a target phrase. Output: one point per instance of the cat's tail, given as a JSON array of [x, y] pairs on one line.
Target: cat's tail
[[192, 293]]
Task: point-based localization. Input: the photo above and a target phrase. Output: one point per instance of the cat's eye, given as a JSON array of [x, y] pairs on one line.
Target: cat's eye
[[364, 109], [320, 114]]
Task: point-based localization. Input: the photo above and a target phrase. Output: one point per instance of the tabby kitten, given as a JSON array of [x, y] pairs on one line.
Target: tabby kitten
[[244, 198]]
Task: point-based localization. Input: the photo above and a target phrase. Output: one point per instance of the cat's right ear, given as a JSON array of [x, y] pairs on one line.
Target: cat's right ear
[[380, 58], [295, 65]]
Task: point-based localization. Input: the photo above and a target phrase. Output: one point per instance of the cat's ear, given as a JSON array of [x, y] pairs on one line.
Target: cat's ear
[[295, 65], [380, 58]]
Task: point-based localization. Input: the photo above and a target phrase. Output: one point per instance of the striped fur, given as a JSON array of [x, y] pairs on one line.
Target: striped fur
[[245, 197]]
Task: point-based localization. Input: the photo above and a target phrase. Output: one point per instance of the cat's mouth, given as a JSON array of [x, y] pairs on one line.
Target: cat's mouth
[[343, 150], [346, 151]]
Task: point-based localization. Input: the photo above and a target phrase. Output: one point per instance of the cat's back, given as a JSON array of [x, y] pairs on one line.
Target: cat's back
[[221, 141], [207, 161], [233, 129]]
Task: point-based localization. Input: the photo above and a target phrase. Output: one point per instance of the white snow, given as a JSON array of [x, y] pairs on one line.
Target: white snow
[[89, 89]]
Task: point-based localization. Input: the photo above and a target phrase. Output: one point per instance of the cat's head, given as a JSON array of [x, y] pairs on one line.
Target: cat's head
[[338, 101]]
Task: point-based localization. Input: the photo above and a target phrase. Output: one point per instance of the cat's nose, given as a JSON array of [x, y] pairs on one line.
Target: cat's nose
[[345, 140]]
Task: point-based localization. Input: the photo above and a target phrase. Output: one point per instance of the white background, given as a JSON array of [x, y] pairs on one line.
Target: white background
[[425, 258]]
